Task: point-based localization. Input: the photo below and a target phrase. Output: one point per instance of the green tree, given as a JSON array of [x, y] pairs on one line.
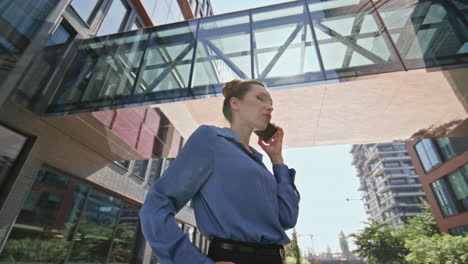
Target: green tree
[[420, 225], [293, 250], [380, 243], [438, 249]]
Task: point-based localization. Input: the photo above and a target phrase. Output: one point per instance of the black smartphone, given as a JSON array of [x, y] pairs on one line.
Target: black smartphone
[[267, 134]]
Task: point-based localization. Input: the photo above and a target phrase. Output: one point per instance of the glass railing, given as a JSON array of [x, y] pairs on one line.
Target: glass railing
[[297, 42]]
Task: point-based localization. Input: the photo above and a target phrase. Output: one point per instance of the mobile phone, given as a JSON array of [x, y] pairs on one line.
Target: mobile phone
[[267, 134]]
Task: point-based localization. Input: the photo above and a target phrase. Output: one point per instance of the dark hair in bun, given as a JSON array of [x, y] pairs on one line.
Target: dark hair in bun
[[236, 88]]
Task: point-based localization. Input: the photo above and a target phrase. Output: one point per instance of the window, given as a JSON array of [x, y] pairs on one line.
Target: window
[[391, 164], [61, 36], [428, 155], [22, 21], [458, 231], [445, 147], [155, 171], [124, 163], [39, 72], [11, 143], [140, 167], [47, 225], [86, 8], [444, 197], [458, 181], [115, 18]]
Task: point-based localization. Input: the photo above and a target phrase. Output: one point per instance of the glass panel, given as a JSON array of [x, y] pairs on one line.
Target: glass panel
[[459, 186], [426, 33], [126, 228], [140, 167], [93, 239], [115, 18], [86, 8], [39, 72], [462, 6], [11, 143], [124, 163], [223, 52], [155, 171], [168, 57], [21, 20], [104, 71], [351, 39], [444, 198], [60, 36], [45, 224], [284, 48], [428, 154], [445, 147]]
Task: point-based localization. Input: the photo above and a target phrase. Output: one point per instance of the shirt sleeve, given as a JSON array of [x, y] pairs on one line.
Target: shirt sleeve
[[178, 184], [288, 196]]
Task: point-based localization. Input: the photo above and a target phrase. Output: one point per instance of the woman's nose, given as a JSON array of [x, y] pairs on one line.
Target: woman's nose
[[270, 108]]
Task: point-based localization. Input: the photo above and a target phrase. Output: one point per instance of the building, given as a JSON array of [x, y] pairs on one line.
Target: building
[[388, 181], [86, 86], [442, 164], [63, 199]]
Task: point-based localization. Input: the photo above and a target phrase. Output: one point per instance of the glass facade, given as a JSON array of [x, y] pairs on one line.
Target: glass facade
[[433, 152], [11, 143], [20, 21], [451, 192], [140, 167], [426, 33], [428, 154], [115, 18], [38, 73], [65, 221]]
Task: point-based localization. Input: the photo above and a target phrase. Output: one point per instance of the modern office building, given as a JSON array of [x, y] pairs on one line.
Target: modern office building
[[389, 184], [86, 86], [62, 199], [442, 164]]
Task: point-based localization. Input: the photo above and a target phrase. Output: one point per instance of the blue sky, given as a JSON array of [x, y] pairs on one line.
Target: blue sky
[[325, 178]]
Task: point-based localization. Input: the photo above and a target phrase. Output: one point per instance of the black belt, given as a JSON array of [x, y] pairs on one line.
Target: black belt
[[249, 247]]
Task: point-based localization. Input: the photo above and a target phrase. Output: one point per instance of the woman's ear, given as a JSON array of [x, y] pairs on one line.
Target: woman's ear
[[234, 104]]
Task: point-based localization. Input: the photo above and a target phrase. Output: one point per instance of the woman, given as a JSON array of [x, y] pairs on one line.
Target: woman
[[238, 203]]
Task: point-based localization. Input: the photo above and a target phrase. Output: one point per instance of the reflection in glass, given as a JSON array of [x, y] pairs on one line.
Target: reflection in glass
[[155, 172], [426, 33], [38, 74], [140, 167], [444, 197], [44, 227], [94, 236], [428, 154], [11, 144], [124, 233]]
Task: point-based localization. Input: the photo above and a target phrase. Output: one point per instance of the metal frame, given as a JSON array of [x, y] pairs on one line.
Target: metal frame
[[313, 19]]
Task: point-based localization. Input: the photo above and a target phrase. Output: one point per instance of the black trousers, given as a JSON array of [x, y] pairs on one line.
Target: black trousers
[[261, 254]]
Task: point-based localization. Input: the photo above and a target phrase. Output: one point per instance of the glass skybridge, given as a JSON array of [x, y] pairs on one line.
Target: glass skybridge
[[285, 44]]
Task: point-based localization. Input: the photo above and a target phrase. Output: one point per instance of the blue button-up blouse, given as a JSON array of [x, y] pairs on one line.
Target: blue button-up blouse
[[233, 194]]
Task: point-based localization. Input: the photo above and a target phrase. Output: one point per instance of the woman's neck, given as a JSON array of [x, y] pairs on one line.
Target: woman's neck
[[244, 133]]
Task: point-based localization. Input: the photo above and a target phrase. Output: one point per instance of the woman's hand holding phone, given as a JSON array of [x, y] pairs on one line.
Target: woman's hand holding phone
[[274, 148]]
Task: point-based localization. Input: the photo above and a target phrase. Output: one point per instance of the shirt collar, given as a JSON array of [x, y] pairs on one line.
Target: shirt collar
[[229, 133]]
